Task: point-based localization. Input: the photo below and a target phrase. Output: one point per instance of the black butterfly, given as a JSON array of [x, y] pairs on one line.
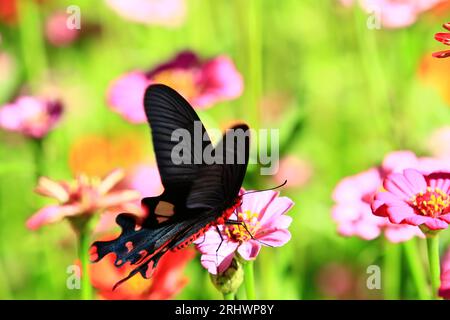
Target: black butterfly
[[196, 195]]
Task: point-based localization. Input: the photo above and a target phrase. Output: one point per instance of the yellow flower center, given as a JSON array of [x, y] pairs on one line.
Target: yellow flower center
[[431, 203], [241, 233]]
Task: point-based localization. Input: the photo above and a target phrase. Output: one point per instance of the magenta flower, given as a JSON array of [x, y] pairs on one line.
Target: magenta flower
[[395, 13], [354, 195], [202, 83], [444, 289], [266, 222], [416, 199], [80, 198], [445, 39], [168, 13], [31, 116]]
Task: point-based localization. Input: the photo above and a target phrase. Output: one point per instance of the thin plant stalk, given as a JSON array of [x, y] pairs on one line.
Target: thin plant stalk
[[228, 296], [433, 261], [416, 269], [83, 254], [392, 271], [249, 280]]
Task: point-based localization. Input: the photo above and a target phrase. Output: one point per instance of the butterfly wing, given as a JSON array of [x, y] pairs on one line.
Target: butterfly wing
[[218, 184]]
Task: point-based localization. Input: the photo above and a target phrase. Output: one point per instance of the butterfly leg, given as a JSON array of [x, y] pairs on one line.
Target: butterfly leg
[[244, 225], [220, 244]]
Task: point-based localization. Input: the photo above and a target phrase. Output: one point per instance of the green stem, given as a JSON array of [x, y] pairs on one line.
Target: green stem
[[83, 253], [228, 296], [416, 268], [32, 41], [249, 280], [433, 260], [391, 274]]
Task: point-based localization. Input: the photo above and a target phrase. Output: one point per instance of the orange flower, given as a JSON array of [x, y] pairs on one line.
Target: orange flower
[[97, 155], [434, 72], [167, 281]]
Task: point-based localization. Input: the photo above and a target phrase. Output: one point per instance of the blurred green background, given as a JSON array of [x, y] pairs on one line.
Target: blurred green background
[[341, 94]]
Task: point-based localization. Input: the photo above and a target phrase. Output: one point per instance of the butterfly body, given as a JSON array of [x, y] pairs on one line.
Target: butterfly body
[[197, 195]]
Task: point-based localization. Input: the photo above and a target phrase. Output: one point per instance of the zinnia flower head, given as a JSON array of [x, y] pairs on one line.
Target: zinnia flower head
[[444, 289], [167, 280], [417, 199], [80, 198], [31, 116], [202, 83], [354, 195], [266, 223], [445, 39], [168, 13]]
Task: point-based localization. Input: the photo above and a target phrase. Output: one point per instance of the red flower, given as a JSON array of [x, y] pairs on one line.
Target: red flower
[[443, 37], [167, 281]]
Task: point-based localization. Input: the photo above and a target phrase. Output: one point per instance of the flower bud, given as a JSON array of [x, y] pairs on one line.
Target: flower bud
[[230, 280]]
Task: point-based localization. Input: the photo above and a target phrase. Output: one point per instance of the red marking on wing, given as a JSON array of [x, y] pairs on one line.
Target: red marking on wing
[[221, 220]]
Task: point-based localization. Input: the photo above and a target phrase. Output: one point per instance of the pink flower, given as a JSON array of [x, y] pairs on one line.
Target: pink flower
[[169, 13], [354, 195], [444, 289], [445, 39], [202, 83], [31, 116], [396, 13], [266, 224], [146, 180], [416, 199], [439, 143], [80, 198], [296, 171], [57, 32]]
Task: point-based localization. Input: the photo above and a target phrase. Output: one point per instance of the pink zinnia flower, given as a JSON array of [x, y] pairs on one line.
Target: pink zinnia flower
[[445, 39], [266, 224], [444, 289], [169, 13], [57, 32], [354, 195], [416, 199], [31, 116], [202, 83], [80, 198], [396, 13]]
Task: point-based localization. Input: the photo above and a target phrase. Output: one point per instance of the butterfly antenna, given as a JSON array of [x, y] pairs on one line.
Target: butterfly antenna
[[243, 224], [254, 191]]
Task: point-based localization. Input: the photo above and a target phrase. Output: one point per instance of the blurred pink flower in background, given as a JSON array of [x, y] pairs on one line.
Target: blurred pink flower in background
[[168, 13], [444, 289], [395, 13], [146, 180], [439, 143], [57, 32], [354, 195], [264, 214], [202, 83], [445, 39], [80, 198], [416, 199], [31, 116], [296, 171]]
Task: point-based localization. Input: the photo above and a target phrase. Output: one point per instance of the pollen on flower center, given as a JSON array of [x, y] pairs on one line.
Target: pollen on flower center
[[431, 203], [241, 233]]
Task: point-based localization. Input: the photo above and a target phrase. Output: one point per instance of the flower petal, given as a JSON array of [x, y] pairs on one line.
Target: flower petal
[[51, 214], [50, 188], [274, 210], [274, 237], [249, 249]]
